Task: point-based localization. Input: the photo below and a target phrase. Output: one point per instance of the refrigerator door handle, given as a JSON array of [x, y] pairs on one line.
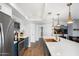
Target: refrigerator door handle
[[2, 40]]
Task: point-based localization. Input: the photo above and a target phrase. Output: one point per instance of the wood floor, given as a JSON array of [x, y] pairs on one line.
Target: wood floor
[[35, 50]]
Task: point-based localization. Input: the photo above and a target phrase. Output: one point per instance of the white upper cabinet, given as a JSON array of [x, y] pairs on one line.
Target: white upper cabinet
[[5, 9]]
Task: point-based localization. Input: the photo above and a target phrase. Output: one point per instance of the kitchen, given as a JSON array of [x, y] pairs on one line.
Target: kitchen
[[39, 29]]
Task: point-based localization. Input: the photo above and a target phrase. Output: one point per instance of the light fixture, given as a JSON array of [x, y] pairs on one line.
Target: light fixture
[[58, 19], [69, 20]]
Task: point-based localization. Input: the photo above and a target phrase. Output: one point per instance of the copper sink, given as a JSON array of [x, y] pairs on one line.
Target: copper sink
[[50, 40]]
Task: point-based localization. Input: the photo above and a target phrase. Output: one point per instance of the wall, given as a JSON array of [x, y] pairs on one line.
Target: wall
[[38, 31], [48, 29], [32, 32]]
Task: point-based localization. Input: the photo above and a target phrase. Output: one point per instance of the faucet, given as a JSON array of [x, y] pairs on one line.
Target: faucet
[[57, 38]]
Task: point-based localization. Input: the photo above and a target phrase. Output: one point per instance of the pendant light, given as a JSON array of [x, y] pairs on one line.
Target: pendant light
[[69, 20], [58, 19]]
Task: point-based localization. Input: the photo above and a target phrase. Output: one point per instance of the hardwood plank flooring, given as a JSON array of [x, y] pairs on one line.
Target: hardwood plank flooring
[[35, 50]]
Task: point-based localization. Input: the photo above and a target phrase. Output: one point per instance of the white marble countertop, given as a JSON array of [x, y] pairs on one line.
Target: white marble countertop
[[63, 48]]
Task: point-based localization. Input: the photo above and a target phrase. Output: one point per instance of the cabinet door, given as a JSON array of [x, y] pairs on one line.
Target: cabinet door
[[15, 49], [26, 43], [47, 53]]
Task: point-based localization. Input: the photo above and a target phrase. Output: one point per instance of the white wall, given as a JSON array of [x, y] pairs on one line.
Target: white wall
[[48, 29], [38, 31], [32, 32]]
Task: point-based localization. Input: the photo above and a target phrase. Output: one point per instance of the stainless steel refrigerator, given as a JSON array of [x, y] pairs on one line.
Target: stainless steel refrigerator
[[6, 34]]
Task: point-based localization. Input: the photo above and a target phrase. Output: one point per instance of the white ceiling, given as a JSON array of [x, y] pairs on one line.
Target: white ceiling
[[32, 10], [39, 11]]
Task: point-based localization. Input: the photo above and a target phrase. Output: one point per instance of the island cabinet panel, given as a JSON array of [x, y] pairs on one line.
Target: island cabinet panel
[[74, 38], [22, 46], [45, 49], [26, 42]]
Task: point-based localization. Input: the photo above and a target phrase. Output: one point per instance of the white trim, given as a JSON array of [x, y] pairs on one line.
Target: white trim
[[18, 9]]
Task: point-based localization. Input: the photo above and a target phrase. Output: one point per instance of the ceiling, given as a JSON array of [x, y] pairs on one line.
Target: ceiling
[[39, 11]]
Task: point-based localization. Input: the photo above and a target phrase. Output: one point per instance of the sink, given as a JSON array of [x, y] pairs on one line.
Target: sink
[[51, 40]]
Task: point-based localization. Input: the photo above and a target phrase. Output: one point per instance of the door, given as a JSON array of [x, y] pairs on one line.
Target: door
[[41, 32]]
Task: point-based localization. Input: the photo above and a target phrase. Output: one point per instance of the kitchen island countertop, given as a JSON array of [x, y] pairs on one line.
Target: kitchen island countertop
[[64, 47]]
